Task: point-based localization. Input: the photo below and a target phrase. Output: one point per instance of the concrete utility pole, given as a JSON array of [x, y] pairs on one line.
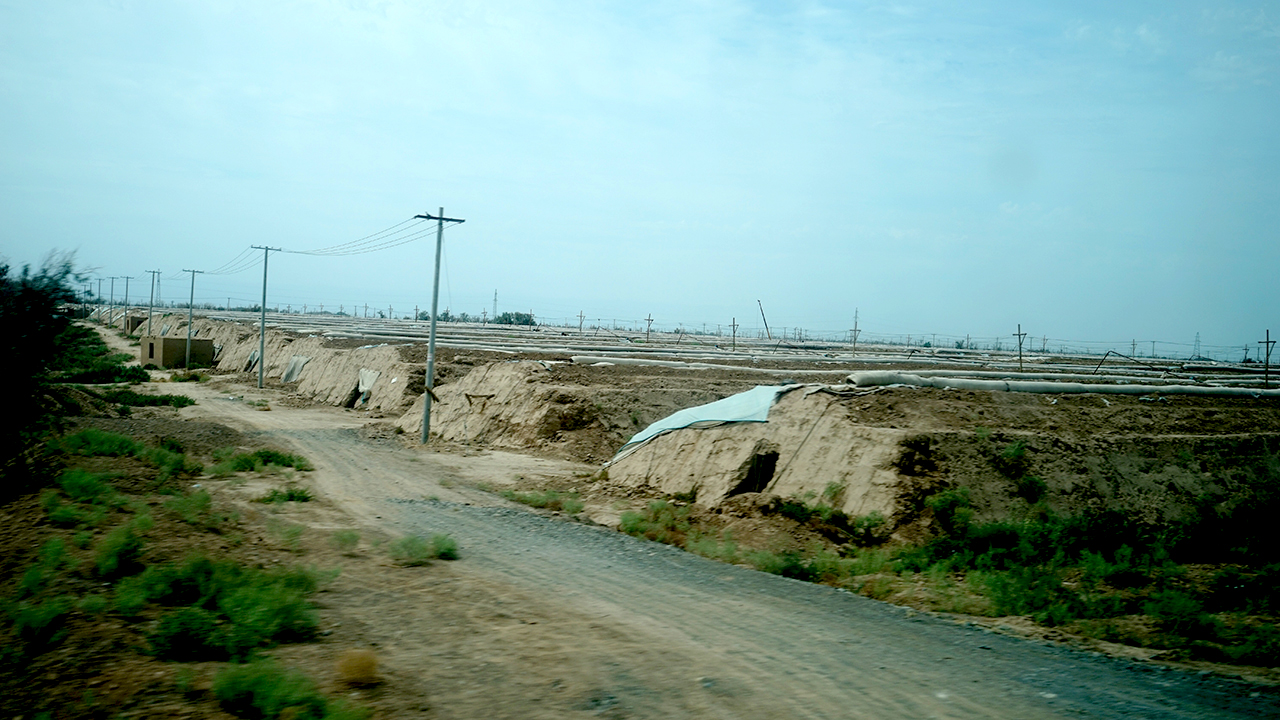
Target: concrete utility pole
[[765, 319], [124, 324], [191, 308], [262, 325], [734, 325], [855, 331], [648, 327], [97, 300], [495, 305], [1266, 368], [431, 337], [1019, 335], [152, 303], [111, 308], [581, 318]]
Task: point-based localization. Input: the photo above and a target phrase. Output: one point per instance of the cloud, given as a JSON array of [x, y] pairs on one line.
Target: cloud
[[1229, 72]]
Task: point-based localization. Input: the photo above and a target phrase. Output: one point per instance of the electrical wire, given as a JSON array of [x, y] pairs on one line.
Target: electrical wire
[[382, 239]]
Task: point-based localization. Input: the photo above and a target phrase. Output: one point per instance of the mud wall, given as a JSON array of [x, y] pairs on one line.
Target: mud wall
[[330, 375], [808, 443]]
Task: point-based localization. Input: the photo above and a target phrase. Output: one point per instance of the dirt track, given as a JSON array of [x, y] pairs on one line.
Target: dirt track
[[545, 618]]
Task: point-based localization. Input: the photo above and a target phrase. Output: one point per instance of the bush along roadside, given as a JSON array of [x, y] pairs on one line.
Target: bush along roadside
[[1204, 587], [116, 574]]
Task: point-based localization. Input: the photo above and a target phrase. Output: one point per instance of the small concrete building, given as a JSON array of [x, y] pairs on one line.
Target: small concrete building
[[171, 352]]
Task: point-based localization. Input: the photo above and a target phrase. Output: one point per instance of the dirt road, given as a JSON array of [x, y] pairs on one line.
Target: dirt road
[[543, 618]]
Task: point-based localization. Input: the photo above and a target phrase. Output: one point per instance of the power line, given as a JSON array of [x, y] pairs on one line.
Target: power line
[[391, 237]]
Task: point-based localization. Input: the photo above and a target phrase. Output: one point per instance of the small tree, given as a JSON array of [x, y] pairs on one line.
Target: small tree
[[30, 312]]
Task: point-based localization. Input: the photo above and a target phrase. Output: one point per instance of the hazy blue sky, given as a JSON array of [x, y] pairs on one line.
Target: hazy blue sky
[[1091, 170]]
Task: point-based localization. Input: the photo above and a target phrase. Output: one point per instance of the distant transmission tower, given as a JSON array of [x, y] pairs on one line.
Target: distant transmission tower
[[1195, 351]]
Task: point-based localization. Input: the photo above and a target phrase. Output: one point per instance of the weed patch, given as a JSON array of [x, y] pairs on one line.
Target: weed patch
[[413, 550], [661, 521], [549, 499], [289, 493]]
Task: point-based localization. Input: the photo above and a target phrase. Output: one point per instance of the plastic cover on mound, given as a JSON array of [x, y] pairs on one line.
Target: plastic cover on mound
[[750, 406]]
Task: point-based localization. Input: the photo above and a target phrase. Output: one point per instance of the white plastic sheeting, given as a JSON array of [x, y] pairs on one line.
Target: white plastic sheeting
[[367, 379], [750, 406], [294, 370], [885, 377]]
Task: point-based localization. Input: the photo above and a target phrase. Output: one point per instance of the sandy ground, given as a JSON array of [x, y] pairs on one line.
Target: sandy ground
[[542, 617]]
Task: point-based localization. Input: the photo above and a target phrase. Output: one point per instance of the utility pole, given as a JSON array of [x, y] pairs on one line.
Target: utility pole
[[1019, 335], [191, 307], [124, 323], [431, 338], [495, 305], [581, 318], [648, 327], [855, 331], [484, 317], [766, 320], [734, 325], [111, 309], [1266, 368], [151, 304], [262, 324], [1134, 351], [97, 300]]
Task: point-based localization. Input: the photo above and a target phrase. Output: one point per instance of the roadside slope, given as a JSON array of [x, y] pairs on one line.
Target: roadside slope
[[601, 624]]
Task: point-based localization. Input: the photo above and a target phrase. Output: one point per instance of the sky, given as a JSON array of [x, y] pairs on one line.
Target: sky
[[1091, 171]]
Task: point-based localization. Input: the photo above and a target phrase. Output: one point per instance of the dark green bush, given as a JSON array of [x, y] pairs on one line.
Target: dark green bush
[[118, 553], [188, 634], [136, 399], [289, 493], [263, 689], [661, 521], [788, 563], [92, 441], [39, 624], [86, 487]]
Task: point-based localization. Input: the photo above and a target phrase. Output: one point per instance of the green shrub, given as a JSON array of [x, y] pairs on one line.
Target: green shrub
[[105, 370], [444, 547], [1012, 462], [171, 463], [83, 486], [282, 459], [289, 493], [346, 540], [32, 582], [118, 552], [661, 521], [1035, 591], [549, 499], [229, 461], [130, 597], [1031, 488], [39, 624], [92, 441], [92, 604], [131, 398], [188, 634], [723, 549], [192, 508], [788, 563], [263, 689], [1181, 614], [413, 550], [951, 509], [1261, 646]]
